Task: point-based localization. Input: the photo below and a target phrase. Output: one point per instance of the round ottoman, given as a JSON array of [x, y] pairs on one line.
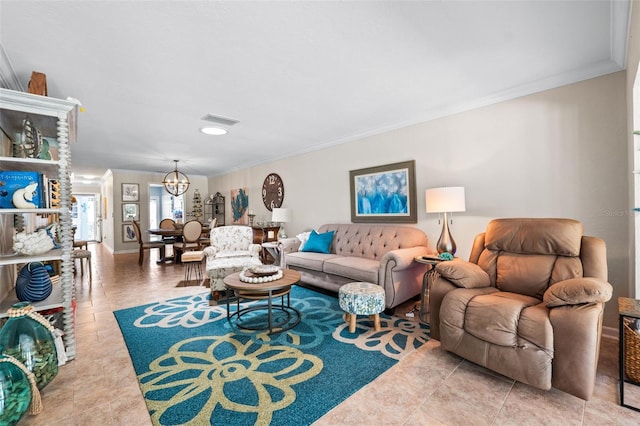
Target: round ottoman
[[361, 298]]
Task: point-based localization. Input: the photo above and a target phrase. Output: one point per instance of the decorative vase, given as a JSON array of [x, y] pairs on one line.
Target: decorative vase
[[18, 391], [33, 283], [28, 337]]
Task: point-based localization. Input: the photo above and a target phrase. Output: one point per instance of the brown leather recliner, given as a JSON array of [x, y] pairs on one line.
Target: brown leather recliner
[[528, 304]]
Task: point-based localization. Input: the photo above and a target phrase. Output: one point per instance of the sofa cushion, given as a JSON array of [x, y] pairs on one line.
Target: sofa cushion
[[356, 268], [234, 253], [303, 237], [231, 262], [308, 260], [318, 243]]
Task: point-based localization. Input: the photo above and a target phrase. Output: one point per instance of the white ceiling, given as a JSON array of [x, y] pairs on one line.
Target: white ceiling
[[299, 76]]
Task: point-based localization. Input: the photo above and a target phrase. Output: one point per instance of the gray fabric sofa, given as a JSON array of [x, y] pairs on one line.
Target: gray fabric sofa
[[379, 254]]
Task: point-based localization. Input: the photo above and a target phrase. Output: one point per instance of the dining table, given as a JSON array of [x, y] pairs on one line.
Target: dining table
[[175, 233]]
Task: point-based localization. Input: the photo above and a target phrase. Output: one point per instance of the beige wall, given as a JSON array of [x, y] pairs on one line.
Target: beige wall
[[113, 222], [559, 153], [633, 122]]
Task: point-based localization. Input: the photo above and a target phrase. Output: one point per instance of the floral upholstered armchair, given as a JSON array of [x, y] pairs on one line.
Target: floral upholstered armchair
[[231, 250]]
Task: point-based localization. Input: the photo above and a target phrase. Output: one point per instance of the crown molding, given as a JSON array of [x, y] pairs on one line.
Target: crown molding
[[620, 27], [8, 77]]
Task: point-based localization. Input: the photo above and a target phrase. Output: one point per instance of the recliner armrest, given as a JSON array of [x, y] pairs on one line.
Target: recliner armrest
[[463, 274], [576, 291]]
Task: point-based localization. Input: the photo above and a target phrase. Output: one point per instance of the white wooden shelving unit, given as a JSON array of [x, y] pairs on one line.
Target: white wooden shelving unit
[[55, 118]]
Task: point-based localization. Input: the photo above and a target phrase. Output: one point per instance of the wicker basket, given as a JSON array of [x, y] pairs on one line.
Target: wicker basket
[[631, 353]]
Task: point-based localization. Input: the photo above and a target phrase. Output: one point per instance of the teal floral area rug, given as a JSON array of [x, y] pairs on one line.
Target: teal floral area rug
[[197, 368]]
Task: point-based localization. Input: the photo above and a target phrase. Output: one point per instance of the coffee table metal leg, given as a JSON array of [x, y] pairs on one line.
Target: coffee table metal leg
[[269, 311], [291, 318]]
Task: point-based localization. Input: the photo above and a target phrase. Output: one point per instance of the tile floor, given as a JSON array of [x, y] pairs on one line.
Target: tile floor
[[429, 387]]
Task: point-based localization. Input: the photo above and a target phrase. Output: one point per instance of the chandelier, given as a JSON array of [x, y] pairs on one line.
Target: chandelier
[[175, 182]]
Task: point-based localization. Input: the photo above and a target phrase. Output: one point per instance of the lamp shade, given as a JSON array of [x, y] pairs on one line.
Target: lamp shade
[[280, 215], [445, 200]]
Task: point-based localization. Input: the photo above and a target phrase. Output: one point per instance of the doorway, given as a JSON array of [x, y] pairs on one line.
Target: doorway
[[163, 205], [84, 216]]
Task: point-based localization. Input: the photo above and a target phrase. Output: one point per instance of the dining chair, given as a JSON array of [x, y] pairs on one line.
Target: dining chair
[[84, 256], [168, 223], [146, 245], [82, 244], [191, 232], [205, 240]]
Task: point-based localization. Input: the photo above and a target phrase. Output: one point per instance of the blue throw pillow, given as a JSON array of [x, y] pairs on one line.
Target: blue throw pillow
[[318, 243]]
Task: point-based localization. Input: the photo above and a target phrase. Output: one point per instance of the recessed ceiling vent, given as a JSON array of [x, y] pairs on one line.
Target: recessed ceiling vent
[[219, 120]]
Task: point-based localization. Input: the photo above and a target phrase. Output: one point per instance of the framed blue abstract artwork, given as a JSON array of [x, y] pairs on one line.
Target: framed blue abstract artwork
[[384, 193]]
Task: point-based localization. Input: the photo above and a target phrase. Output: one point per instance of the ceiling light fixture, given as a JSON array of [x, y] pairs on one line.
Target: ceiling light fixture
[[216, 131], [176, 183]]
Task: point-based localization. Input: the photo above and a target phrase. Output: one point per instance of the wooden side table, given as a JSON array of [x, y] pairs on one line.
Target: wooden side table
[[272, 249], [426, 279], [264, 234], [628, 310]]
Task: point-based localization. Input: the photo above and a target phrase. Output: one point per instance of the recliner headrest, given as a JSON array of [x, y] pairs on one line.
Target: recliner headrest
[[560, 237]]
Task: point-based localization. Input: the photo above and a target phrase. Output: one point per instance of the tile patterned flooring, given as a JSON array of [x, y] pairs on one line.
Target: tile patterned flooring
[[428, 387]]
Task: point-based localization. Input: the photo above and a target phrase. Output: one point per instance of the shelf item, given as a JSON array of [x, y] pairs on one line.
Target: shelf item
[[52, 302], [55, 121], [15, 390], [15, 259], [33, 283], [28, 337], [21, 189]]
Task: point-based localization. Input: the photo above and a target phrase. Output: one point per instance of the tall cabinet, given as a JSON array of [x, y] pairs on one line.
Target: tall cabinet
[[55, 119]]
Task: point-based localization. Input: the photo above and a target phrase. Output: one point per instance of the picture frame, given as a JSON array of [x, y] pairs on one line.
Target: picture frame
[[130, 211], [128, 234], [384, 194], [130, 192]]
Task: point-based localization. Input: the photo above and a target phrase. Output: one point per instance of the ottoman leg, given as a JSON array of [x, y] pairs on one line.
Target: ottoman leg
[[352, 323], [376, 322]]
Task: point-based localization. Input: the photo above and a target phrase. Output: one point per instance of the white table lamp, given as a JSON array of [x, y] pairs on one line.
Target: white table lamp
[[281, 216], [445, 200]]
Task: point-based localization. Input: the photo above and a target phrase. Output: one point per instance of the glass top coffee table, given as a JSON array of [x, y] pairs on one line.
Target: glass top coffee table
[[279, 316]]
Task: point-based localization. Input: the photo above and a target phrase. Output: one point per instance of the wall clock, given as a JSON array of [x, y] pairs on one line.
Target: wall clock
[[272, 191]]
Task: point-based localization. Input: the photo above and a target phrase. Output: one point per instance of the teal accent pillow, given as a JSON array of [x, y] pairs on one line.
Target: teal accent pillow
[[318, 243]]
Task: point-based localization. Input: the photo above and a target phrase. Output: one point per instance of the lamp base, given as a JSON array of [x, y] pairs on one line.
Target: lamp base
[[281, 233], [446, 244]]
